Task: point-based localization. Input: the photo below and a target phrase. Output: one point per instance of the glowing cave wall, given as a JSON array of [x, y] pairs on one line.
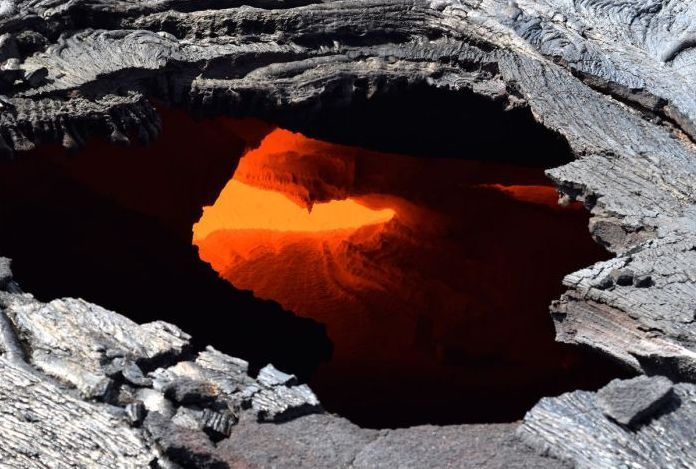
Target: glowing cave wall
[[433, 277]]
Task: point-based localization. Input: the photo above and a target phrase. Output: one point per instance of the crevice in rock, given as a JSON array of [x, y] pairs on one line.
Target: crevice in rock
[[653, 108]]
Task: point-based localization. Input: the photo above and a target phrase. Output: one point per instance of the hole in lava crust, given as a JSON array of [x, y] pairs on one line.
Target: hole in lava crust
[[433, 277], [113, 225], [428, 122]]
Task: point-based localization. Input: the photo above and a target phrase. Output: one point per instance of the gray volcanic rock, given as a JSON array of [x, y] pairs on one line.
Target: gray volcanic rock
[[181, 407], [193, 412], [75, 341], [616, 79], [43, 425], [574, 427], [324, 441], [649, 328], [631, 401], [456, 446], [214, 376]]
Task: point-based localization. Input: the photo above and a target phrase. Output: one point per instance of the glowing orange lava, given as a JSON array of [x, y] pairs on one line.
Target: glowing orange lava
[[432, 277], [243, 207]]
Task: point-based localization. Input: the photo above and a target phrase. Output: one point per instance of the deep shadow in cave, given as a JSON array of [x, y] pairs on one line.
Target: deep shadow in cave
[[433, 277], [424, 121], [113, 225]]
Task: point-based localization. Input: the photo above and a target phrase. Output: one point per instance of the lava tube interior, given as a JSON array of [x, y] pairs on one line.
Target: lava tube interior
[[432, 276]]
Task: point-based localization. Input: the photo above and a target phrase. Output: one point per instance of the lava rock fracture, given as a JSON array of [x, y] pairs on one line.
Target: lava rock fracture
[[83, 386]]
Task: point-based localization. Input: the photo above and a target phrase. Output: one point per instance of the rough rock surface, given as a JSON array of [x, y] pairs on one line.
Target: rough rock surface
[[86, 345], [631, 401], [616, 78], [86, 401], [574, 427], [327, 441], [43, 425]]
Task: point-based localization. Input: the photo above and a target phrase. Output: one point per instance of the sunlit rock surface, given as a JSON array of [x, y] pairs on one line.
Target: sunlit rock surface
[[615, 78]]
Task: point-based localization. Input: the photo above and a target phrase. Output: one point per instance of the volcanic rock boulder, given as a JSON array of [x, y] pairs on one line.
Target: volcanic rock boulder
[[589, 435], [616, 79]]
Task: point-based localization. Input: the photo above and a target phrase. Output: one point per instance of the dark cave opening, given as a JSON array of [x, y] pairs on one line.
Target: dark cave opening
[[113, 225]]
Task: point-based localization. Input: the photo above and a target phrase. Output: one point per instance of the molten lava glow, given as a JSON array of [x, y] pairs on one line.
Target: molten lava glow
[[432, 277], [243, 207]]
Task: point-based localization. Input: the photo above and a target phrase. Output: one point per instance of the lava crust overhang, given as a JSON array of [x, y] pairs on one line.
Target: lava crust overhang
[[616, 80]]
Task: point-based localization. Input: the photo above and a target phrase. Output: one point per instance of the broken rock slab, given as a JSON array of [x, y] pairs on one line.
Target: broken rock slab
[[83, 344], [214, 379], [326, 441], [648, 325], [281, 403], [630, 402]]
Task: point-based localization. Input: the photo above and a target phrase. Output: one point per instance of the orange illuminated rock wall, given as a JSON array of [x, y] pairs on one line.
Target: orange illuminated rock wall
[[263, 209], [433, 276]]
